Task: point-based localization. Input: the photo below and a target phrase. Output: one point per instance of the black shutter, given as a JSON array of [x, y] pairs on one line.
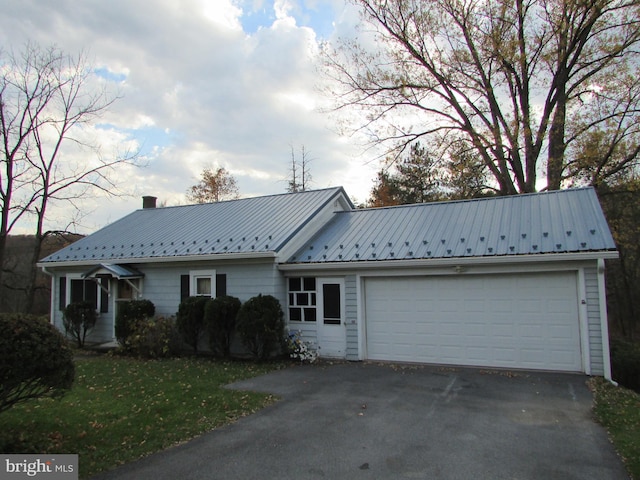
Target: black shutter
[[62, 291], [91, 293], [221, 284], [77, 291], [104, 295], [184, 287]]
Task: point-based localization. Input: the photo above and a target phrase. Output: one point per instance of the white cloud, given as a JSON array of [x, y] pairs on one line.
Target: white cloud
[[199, 87], [282, 8], [221, 13]]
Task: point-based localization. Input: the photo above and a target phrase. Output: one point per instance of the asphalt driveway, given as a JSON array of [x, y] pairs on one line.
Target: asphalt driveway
[[370, 421]]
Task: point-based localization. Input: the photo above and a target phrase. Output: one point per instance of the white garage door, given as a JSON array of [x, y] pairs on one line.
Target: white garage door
[[515, 321]]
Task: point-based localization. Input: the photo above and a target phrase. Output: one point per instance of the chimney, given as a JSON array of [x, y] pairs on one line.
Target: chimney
[[149, 202]]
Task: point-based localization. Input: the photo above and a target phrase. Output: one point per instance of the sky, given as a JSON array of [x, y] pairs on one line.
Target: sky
[[202, 84]]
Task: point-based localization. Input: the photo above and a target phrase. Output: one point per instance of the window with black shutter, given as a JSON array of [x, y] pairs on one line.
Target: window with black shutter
[[104, 295], [221, 284], [184, 286], [202, 283], [84, 290], [62, 292]]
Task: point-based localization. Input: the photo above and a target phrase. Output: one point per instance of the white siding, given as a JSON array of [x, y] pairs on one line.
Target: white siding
[[351, 316], [103, 330], [162, 282], [593, 320], [162, 287]]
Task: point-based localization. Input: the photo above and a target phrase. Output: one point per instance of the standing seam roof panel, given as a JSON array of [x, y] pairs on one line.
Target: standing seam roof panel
[[250, 225], [517, 225]]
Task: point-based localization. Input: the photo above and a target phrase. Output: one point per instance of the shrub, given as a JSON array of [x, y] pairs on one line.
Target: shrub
[[35, 360], [261, 326], [625, 363], [154, 338], [299, 349], [129, 315], [190, 320], [79, 319], [220, 321]]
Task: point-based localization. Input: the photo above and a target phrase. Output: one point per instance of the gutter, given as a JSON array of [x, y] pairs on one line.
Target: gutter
[[51, 297], [175, 259], [450, 261]]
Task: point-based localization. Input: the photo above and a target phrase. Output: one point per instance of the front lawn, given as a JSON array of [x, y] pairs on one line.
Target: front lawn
[[618, 410], [121, 409]]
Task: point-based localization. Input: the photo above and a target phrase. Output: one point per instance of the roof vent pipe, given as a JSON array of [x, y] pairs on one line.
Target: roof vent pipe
[[149, 202]]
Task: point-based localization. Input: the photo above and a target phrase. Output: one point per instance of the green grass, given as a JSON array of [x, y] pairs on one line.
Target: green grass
[[121, 409], [618, 410]]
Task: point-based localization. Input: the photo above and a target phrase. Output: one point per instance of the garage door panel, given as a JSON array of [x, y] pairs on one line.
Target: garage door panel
[[519, 321], [532, 333], [502, 331], [477, 354], [474, 306], [502, 306], [559, 332], [504, 356]]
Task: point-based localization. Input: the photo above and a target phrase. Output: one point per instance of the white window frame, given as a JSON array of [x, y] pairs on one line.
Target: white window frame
[[312, 301], [194, 275]]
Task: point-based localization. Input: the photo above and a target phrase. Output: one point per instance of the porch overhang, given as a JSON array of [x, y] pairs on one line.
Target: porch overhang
[[121, 272]]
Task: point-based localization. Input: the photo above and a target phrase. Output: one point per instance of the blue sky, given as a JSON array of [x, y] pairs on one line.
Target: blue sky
[[201, 83], [318, 15]]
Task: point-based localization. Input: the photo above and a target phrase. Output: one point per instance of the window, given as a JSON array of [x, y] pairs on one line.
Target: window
[[202, 283], [129, 289], [302, 299], [331, 303], [203, 286], [80, 290], [84, 290], [125, 292]]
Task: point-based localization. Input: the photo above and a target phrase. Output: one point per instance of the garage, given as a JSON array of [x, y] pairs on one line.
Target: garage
[[524, 320]]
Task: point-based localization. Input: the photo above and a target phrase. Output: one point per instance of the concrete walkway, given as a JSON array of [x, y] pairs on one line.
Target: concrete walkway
[[370, 421]]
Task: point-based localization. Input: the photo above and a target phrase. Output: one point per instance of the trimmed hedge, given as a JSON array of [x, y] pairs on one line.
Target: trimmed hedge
[[129, 315], [220, 316], [261, 326], [154, 338], [190, 320], [35, 360]]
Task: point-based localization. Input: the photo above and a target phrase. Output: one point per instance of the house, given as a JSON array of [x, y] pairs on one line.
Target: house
[[506, 282]]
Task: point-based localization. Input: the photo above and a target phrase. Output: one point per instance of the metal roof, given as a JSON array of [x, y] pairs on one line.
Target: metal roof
[[117, 271], [245, 226], [563, 221]]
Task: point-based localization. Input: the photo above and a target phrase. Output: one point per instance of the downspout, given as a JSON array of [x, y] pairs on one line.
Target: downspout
[[51, 300], [604, 323]]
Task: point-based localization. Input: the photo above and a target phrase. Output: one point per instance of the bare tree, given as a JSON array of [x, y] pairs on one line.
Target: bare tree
[[46, 99], [300, 178], [214, 186], [521, 81]]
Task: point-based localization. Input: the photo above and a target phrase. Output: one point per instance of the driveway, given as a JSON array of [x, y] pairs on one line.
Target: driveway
[[377, 421]]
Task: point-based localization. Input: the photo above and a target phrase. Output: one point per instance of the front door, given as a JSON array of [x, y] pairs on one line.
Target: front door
[[332, 336]]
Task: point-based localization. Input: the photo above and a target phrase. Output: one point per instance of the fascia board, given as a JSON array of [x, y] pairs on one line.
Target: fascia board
[[443, 262], [221, 257]]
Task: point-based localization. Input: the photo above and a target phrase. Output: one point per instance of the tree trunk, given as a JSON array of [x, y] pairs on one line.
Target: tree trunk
[[30, 290], [557, 144], [3, 244]]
